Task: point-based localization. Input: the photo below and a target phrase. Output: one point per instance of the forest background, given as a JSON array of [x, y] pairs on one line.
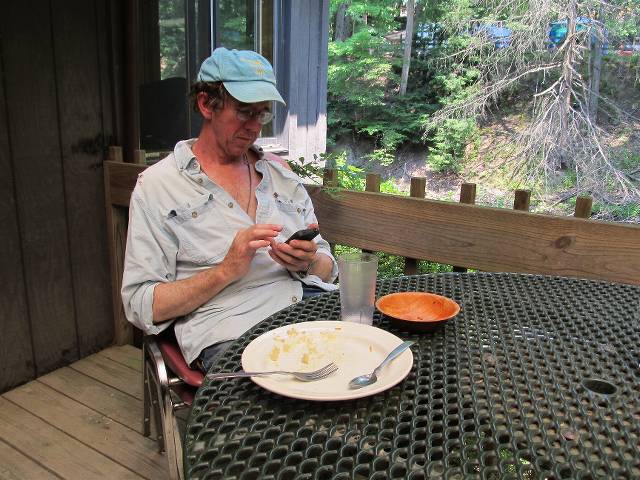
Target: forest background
[[540, 95]]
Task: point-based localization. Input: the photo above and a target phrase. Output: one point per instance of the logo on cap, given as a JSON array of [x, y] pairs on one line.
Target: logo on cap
[[258, 66]]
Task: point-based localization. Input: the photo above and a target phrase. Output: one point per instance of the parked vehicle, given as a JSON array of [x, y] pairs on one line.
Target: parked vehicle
[[500, 35], [558, 32], [629, 48]]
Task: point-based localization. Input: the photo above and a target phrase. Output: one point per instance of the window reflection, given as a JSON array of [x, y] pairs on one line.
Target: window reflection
[[171, 30], [175, 37], [236, 27], [235, 24]]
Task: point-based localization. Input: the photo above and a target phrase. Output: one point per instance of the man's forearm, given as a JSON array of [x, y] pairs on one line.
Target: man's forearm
[[175, 299]]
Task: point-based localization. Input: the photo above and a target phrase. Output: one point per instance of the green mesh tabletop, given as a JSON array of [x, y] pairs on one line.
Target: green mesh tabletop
[[537, 377]]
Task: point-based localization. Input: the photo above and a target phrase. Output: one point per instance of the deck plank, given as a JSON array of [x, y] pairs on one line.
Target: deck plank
[[59, 452], [112, 439], [16, 466], [102, 398], [127, 355], [111, 373]]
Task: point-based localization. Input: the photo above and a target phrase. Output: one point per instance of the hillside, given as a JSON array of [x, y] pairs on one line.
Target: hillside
[[487, 165]]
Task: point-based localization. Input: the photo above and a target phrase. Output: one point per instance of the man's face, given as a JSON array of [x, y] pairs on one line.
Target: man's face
[[238, 125]]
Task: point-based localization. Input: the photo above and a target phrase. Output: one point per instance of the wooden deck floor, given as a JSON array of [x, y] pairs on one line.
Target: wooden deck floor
[[80, 422]]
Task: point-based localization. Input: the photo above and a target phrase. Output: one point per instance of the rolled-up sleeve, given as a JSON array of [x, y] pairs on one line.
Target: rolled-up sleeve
[[323, 247], [149, 260]]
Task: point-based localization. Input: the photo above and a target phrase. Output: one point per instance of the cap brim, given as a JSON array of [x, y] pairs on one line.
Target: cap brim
[[253, 92]]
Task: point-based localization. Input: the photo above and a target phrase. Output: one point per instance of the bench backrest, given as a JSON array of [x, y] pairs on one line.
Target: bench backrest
[[478, 237], [483, 238]]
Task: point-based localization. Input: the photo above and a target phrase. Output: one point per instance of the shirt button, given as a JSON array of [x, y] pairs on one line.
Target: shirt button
[[294, 299], [299, 210], [230, 204], [199, 180], [194, 214]]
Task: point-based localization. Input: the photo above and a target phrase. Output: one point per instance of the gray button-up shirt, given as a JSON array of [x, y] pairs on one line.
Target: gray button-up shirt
[[180, 223]]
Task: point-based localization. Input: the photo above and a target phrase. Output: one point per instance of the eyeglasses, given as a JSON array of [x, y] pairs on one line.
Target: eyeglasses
[[244, 114]]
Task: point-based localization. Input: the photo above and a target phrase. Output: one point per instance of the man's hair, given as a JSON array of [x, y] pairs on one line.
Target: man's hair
[[215, 91]]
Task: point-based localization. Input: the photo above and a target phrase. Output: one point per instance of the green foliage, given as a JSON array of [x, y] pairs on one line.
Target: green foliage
[[354, 178], [382, 156], [627, 159], [363, 82], [449, 143], [623, 23], [351, 177], [172, 38], [390, 266], [306, 169], [570, 179], [616, 212], [379, 14]]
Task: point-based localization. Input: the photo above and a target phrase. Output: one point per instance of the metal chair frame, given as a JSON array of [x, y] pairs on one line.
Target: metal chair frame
[[162, 398]]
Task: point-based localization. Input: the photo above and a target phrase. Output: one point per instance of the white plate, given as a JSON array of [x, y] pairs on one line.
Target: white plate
[[306, 346]]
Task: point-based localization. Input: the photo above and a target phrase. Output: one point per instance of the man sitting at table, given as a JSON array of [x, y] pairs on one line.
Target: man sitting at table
[[206, 223]]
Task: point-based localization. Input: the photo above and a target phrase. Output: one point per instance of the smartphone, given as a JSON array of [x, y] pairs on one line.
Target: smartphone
[[304, 234]]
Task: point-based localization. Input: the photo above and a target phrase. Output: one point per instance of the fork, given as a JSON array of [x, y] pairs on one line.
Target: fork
[[304, 376]]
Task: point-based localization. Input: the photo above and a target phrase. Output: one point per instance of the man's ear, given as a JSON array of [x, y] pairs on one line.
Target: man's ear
[[204, 105]]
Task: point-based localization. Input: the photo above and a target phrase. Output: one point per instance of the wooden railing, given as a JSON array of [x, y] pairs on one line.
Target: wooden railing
[[460, 234]]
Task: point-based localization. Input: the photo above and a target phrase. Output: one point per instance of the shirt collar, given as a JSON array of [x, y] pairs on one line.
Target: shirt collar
[[184, 156], [183, 153]]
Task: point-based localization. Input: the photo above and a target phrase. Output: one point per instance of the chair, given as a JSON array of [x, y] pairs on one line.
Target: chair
[[169, 385]]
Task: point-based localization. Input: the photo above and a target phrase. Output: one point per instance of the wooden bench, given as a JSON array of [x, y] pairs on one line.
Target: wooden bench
[[462, 234]]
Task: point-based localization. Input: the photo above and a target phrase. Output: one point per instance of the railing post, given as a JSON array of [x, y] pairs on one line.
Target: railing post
[[139, 157], [330, 180], [522, 200], [373, 182], [330, 177], [115, 153], [372, 185], [468, 193], [583, 207], [417, 190], [468, 196]]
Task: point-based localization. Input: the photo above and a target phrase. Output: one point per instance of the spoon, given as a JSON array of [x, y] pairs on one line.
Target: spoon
[[364, 380]]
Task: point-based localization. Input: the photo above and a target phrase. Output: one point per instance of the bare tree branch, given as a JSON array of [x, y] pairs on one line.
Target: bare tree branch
[[561, 134]]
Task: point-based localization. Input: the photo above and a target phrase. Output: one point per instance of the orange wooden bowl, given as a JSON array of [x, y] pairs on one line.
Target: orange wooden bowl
[[417, 311]]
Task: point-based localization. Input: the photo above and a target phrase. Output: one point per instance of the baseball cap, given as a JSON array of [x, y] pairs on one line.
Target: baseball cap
[[246, 75]]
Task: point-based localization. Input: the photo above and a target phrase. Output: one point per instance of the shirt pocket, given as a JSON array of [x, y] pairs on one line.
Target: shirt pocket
[[203, 233], [290, 206], [290, 213]]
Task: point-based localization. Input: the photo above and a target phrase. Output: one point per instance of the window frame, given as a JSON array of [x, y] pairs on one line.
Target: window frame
[[274, 142], [199, 43]]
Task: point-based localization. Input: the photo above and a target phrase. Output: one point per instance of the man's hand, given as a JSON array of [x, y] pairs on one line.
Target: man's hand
[[178, 298], [297, 255], [243, 248]]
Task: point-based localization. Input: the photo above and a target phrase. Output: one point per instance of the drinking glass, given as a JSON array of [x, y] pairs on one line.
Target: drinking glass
[[357, 276]]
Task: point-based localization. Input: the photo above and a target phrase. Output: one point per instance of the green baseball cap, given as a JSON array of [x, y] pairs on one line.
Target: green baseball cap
[[246, 75]]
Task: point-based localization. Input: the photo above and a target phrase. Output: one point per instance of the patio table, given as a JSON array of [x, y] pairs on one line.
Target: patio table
[[537, 377]]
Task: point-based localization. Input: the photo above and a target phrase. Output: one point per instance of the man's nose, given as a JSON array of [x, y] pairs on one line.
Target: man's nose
[[253, 125]]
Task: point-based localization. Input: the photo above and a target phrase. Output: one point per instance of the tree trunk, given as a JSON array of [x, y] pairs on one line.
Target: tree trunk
[[595, 65], [343, 26], [408, 39], [566, 85]]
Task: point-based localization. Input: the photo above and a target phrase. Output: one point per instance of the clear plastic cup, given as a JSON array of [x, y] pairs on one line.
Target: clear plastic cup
[[357, 277]]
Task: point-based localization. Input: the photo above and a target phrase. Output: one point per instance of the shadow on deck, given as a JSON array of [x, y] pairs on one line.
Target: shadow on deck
[[82, 421]]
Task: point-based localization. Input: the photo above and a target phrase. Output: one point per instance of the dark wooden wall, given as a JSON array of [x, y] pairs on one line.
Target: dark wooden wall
[[56, 119]]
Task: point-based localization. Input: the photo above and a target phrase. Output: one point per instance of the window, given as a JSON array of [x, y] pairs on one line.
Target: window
[[176, 36], [171, 32], [247, 25]]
